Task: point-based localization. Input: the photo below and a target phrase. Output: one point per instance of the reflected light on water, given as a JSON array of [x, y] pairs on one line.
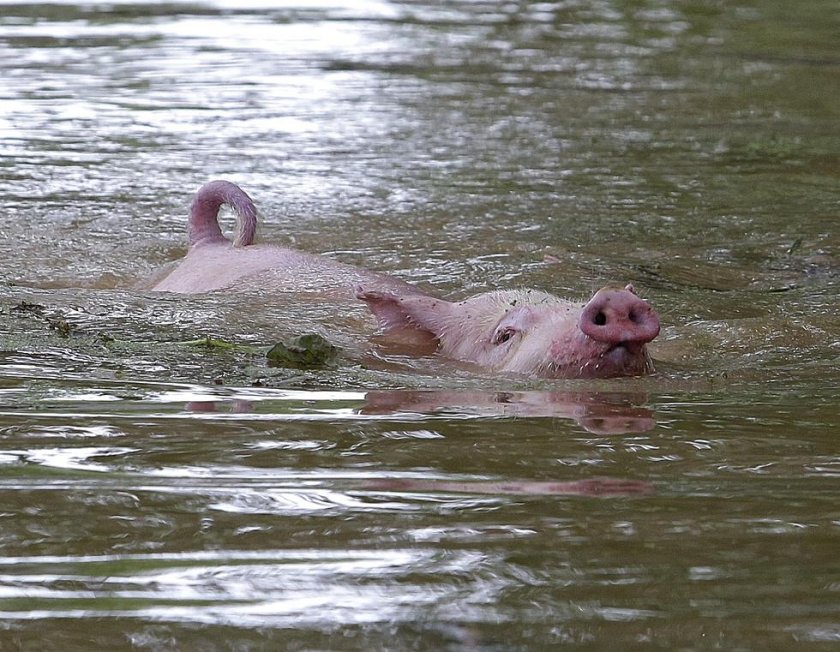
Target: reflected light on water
[[264, 588]]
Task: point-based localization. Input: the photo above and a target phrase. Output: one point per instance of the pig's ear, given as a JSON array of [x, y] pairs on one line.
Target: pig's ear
[[410, 312]]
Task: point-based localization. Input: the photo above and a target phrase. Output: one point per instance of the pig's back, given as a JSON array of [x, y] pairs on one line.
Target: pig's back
[[270, 268]]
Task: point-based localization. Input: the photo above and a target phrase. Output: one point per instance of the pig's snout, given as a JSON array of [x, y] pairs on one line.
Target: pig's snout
[[618, 316]]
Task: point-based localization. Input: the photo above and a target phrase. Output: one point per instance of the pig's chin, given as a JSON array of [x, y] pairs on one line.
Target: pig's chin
[[627, 359], [607, 361]]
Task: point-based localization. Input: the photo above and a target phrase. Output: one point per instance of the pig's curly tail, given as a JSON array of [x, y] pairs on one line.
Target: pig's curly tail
[[203, 225]]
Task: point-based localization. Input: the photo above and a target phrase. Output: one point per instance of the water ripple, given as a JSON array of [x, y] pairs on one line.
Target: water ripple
[[269, 587]]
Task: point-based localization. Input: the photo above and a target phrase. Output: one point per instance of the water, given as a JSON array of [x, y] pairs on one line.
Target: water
[[160, 493]]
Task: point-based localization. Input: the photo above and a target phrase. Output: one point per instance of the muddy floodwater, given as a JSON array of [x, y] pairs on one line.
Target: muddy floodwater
[[163, 487]]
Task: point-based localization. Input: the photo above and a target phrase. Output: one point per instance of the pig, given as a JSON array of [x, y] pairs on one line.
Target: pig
[[520, 331]]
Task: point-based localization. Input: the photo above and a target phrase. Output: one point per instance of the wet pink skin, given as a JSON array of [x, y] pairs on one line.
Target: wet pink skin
[[509, 331], [618, 316]]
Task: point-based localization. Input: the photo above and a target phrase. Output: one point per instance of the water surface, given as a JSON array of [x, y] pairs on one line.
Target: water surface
[[160, 493]]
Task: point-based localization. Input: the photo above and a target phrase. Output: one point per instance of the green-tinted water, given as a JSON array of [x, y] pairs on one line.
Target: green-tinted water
[[160, 493]]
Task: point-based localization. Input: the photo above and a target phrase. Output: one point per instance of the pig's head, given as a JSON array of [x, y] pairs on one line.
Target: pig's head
[[531, 332]]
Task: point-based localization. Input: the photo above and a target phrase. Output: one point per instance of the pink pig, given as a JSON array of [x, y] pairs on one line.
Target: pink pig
[[521, 331]]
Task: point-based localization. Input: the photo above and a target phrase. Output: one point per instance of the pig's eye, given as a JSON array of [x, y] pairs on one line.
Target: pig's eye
[[503, 335]]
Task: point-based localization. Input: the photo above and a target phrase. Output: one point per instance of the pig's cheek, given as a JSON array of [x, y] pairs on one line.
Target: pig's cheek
[[528, 355], [466, 349], [571, 349], [494, 355]]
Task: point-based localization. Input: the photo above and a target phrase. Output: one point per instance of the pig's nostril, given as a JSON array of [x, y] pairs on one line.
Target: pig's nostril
[[618, 316]]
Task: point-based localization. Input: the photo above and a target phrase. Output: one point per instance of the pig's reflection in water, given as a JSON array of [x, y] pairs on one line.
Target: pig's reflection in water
[[597, 413], [588, 487]]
